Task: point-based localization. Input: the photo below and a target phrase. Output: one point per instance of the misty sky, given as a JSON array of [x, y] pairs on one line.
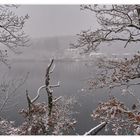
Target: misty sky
[[56, 20], [59, 20]]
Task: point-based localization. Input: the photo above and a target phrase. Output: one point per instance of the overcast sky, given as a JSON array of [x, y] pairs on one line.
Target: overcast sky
[[56, 20]]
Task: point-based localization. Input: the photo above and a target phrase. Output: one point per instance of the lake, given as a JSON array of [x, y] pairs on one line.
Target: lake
[[73, 76]]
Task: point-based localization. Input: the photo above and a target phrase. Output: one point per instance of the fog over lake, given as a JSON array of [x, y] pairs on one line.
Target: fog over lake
[[73, 72], [52, 29]]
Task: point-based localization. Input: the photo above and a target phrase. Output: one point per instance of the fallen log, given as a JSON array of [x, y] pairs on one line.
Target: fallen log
[[96, 129]]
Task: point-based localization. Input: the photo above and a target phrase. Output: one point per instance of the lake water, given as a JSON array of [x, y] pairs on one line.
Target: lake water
[[73, 77]]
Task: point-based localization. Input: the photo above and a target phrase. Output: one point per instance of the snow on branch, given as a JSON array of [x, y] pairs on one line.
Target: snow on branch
[[47, 86], [119, 118], [96, 129], [117, 23]]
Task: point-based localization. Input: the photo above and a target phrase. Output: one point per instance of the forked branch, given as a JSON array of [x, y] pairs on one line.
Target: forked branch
[[48, 88]]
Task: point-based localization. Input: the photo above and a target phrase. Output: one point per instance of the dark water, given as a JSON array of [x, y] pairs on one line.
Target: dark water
[[73, 77]]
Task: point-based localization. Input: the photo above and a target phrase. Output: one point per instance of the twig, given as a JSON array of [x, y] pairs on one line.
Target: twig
[[29, 101], [57, 99], [52, 86], [16, 88]]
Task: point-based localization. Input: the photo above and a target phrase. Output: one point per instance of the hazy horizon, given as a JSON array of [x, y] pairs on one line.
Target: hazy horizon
[[55, 20]]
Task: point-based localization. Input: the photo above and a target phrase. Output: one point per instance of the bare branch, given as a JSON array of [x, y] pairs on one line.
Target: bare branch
[[11, 29], [55, 100], [52, 86], [38, 93], [10, 93], [115, 20]]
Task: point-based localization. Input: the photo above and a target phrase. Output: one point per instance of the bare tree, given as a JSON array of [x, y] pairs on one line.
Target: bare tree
[[118, 23], [11, 30], [12, 37]]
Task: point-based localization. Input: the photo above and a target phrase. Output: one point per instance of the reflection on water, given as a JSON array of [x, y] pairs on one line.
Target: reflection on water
[[72, 76]]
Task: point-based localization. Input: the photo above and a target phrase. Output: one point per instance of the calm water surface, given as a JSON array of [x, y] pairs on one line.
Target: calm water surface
[[73, 77]]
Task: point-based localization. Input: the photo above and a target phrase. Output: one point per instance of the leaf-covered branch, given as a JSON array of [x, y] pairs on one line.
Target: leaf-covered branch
[[123, 121]]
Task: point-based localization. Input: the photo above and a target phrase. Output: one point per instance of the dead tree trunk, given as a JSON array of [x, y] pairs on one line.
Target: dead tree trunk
[[47, 83], [48, 88]]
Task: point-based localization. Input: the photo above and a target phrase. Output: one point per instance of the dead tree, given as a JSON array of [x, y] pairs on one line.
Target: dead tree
[[48, 88], [53, 118]]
